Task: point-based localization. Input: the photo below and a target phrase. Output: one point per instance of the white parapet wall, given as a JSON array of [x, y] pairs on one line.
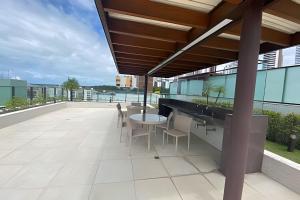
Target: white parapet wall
[[9, 119], [90, 105], [282, 170]]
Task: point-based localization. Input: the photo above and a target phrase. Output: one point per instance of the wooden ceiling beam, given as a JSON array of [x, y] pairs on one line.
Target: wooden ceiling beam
[[214, 53], [140, 51], [158, 11], [139, 62], [138, 57], [286, 9], [161, 54], [267, 34], [127, 40], [146, 31], [234, 1], [229, 10], [203, 59], [222, 44]]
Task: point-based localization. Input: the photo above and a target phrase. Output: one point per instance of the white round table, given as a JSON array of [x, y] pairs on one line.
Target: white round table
[[148, 120]]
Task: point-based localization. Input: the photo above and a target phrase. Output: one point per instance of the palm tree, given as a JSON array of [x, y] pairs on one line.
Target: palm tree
[[220, 90], [71, 84], [206, 90]]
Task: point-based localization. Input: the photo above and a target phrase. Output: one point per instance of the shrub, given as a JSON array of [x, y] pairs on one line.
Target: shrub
[[275, 127], [38, 100], [280, 126], [16, 102]]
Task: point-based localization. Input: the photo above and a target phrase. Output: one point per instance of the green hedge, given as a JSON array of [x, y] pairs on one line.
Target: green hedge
[[17, 102], [282, 126]]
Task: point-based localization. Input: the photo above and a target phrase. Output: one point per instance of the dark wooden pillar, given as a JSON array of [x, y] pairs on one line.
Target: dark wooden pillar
[[243, 104], [145, 93]]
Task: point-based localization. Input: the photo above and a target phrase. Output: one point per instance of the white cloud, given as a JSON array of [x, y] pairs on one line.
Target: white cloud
[[43, 42], [84, 4]]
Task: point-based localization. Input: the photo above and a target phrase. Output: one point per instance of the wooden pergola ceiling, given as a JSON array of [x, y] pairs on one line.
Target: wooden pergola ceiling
[[144, 33]]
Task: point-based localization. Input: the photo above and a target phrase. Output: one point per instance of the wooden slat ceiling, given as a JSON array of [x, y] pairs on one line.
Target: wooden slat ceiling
[[143, 33]]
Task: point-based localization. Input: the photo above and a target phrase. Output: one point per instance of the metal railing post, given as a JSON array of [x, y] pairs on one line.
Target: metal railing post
[[55, 95], [31, 95]]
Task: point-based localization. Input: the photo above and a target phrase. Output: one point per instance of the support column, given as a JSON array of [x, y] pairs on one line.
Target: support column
[[31, 95], [145, 93], [243, 104]]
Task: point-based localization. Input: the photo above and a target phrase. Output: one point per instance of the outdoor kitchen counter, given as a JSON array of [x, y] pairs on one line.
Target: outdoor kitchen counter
[[198, 117]]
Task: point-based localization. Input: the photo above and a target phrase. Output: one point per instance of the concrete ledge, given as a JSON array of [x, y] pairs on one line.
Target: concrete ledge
[[23, 115], [282, 170]]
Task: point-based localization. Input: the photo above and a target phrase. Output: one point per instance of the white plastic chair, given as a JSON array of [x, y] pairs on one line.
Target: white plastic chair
[[123, 123], [165, 125], [136, 131], [182, 128]]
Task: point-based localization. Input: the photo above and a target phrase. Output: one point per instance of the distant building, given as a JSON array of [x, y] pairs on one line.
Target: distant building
[[272, 59], [297, 57], [88, 94], [52, 90], [162, 82], [124, 81], [118, 81], [10, 88], [269, 60]]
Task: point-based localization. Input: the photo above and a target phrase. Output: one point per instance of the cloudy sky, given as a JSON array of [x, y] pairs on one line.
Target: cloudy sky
[[45, 41]]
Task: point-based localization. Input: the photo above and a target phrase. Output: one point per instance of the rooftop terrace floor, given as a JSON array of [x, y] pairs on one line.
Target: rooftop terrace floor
[[75, 154]]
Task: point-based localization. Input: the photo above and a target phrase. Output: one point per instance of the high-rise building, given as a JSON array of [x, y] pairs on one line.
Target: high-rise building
[[297, 57], [141, 83], [124, 81], [269, 60], [118, 81]]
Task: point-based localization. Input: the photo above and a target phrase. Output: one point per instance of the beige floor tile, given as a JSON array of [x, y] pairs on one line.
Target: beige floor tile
[[116, 153], [148, 168], [20, 157], [178, 166], [57, 155], [85, 155], [60, 156], [14, 194], [151, 189], [75, 174], [66, 193], [113, 191], [194, 187], [218, 181], [114, 171], [34, 176], [203, 163], [270, 188], [7, 172], [4, 153]]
